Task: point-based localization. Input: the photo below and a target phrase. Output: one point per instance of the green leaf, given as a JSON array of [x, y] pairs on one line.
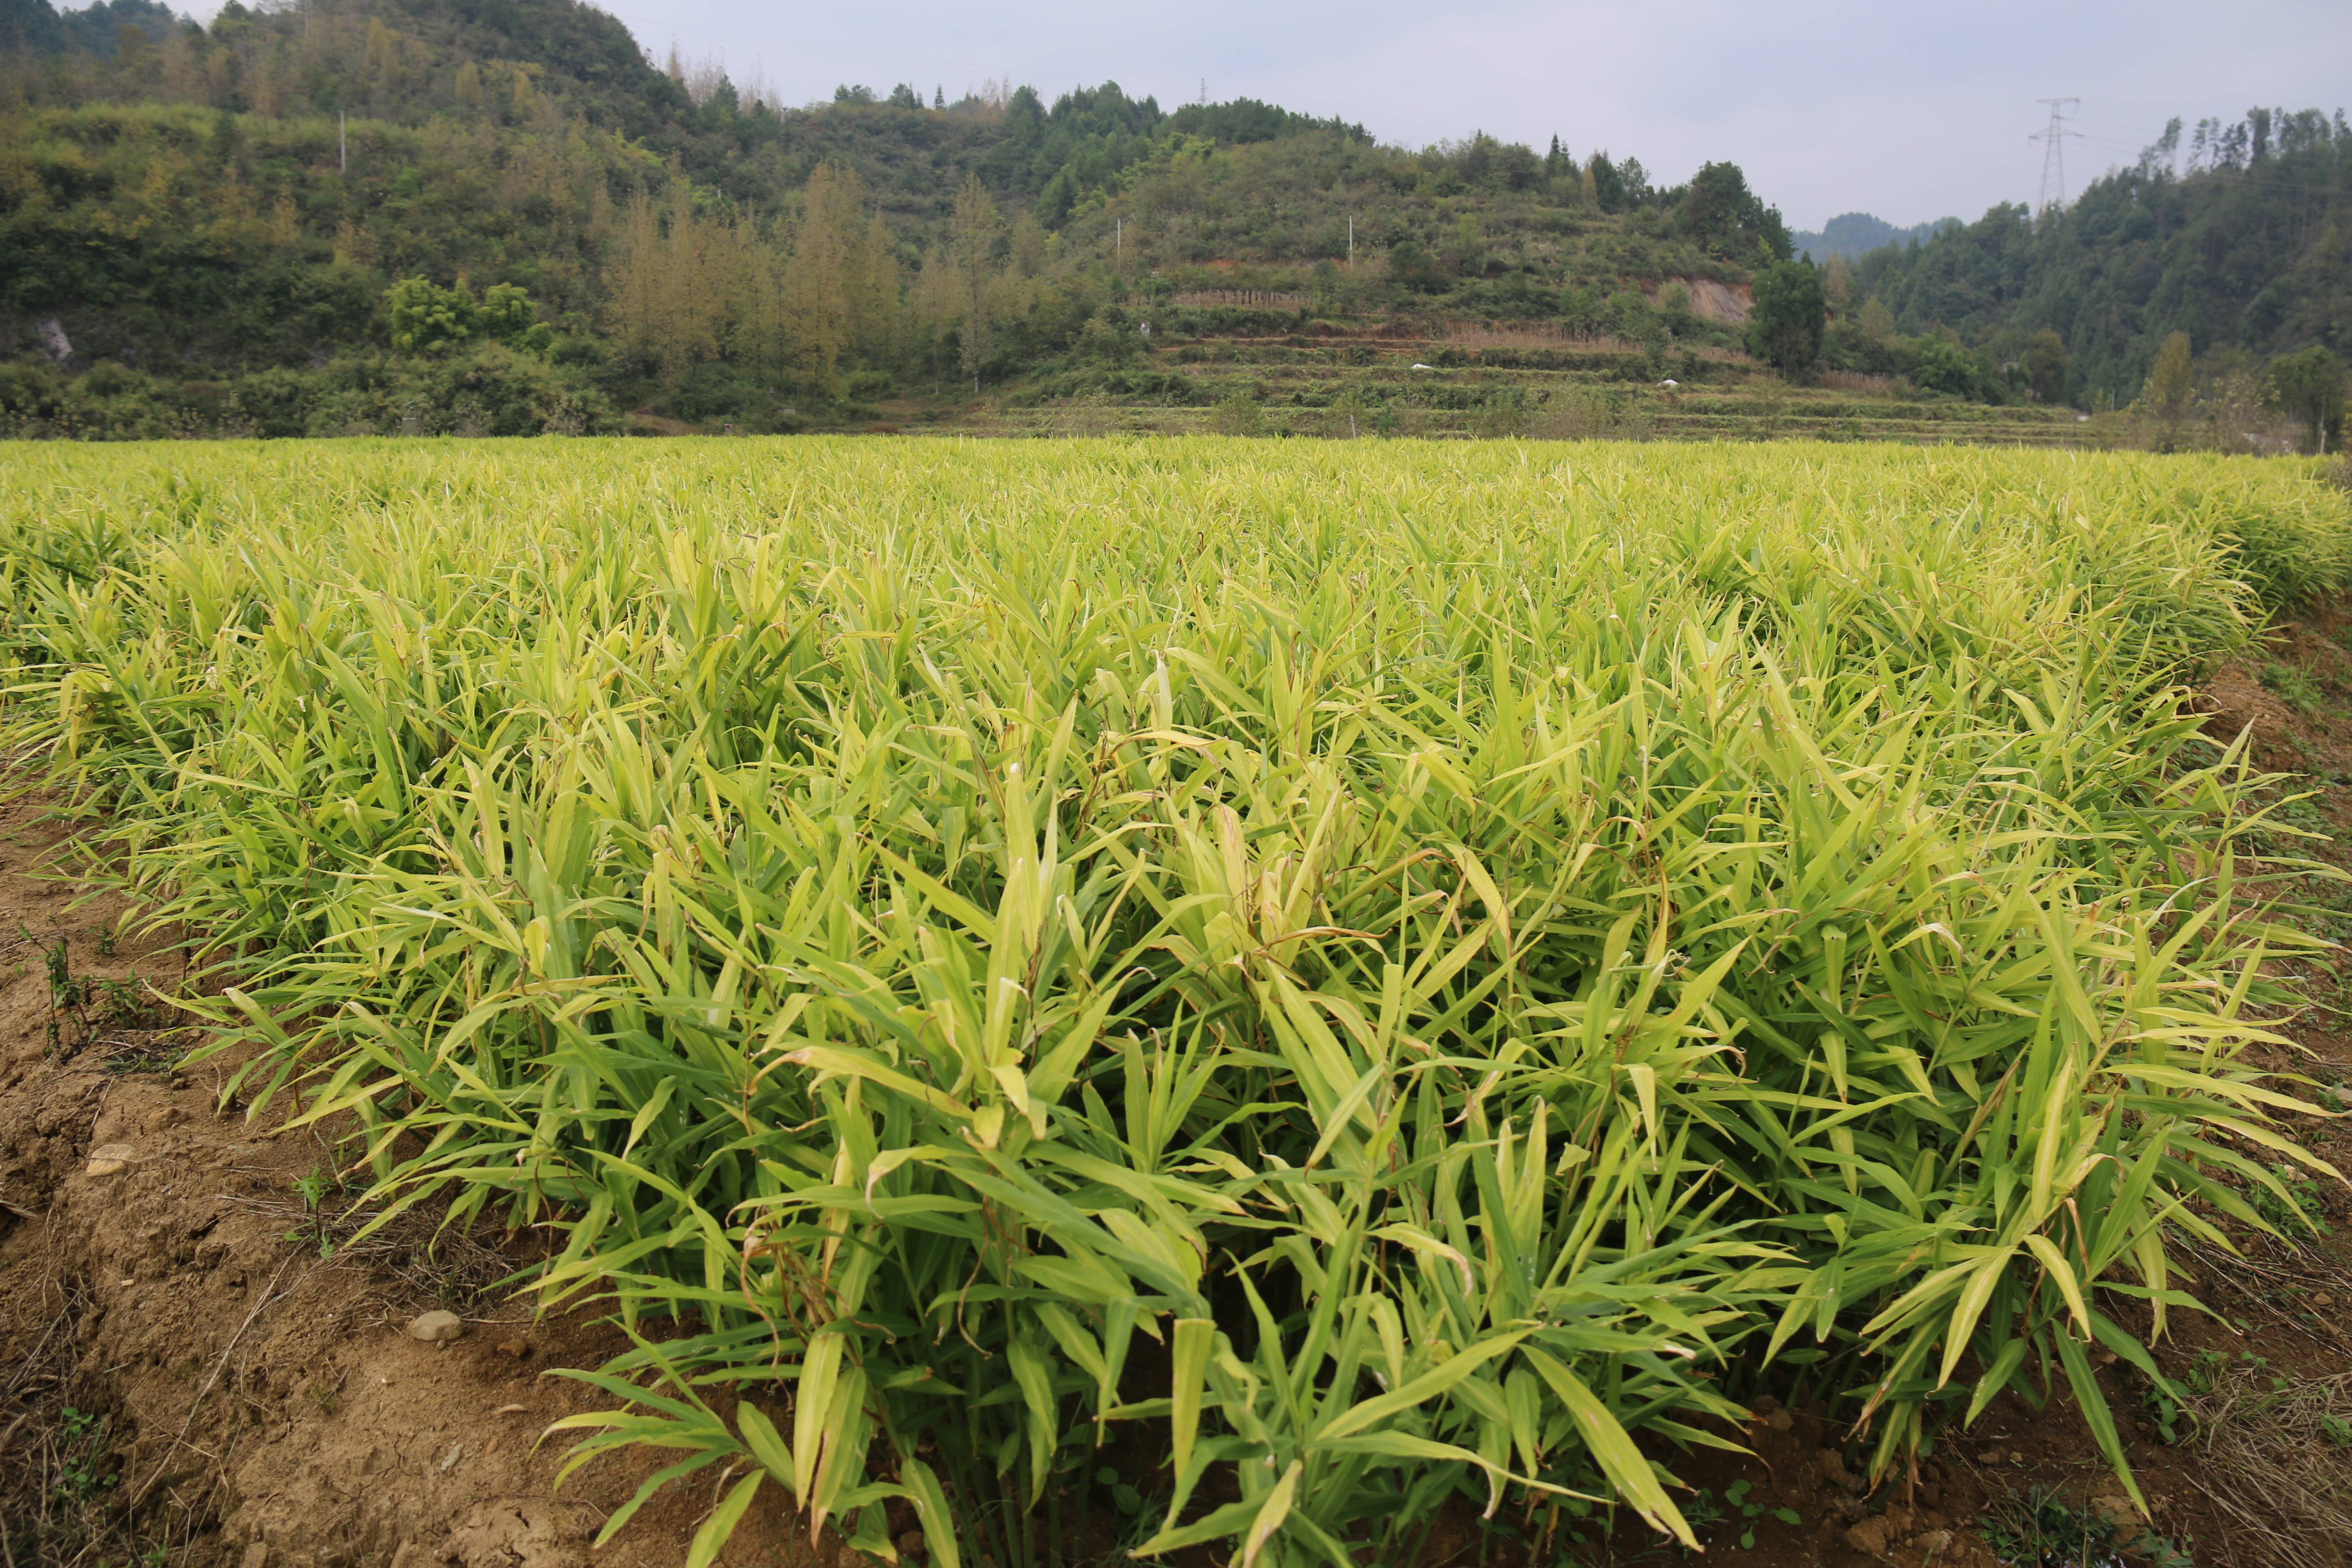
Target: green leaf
[[720, 1528]]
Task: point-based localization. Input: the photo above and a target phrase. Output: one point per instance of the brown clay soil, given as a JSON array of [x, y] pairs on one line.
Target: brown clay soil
[[185, 1380]]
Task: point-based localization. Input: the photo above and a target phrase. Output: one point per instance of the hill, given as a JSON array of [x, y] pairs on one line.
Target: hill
[[1856, 235], [2242, 241], [502, 216]]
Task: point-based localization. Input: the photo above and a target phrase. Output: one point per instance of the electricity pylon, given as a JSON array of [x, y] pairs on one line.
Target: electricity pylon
[[2053, 151]]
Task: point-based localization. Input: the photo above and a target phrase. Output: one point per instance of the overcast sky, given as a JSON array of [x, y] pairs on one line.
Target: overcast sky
[[1909, 111]]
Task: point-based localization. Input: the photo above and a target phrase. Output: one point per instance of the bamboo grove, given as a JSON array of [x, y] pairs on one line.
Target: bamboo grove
[[1362, 983]]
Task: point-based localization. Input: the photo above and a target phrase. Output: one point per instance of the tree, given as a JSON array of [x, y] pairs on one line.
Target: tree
[[1029, 246], [2309, 387], [425, 317], [1837, 285], [2168, 384], [428, 319], [1728, 219], [688, 287], [1237, 414], [1787, 316], [1945, 366], [2045, 366], [841, 286], [972, 237], [1606, 185]]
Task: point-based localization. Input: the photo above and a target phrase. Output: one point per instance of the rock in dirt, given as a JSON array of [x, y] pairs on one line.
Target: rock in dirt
[[1869, 1536], [109, 1159], [911, 1543], [517, 1348], [1932, 1542], [256, 1555], [437, 1328], [1831, 1464], [169, 1117]]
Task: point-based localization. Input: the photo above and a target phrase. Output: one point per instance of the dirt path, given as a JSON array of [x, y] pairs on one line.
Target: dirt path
[[181, 1369]]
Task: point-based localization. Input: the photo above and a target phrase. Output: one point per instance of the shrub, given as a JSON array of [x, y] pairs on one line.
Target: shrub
[[1237, 414]]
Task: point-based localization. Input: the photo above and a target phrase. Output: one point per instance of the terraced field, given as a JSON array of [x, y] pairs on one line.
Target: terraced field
[[1313, 385]]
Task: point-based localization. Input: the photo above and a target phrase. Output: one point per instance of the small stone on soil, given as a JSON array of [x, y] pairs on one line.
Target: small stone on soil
[[437, 1328], [1869, 1536], [911, 1543], [109, 1159], [515, 1348]]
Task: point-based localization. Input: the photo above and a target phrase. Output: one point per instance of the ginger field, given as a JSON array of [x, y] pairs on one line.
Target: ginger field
[[1257, 992]]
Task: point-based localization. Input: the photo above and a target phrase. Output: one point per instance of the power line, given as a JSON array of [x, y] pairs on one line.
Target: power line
[[2053, 151]]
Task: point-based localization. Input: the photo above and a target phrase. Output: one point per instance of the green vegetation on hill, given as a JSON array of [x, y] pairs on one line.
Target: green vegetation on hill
[[1855, 235], [2244, 244], [204, 229], [212, 224]]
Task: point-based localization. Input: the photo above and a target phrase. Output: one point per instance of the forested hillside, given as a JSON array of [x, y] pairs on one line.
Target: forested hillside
[[2242, 240], [503, 216], [192, 207], [1855, 235]]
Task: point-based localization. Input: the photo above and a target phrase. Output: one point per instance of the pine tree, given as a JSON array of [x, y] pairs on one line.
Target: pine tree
[[821, 282], [936, 306], [972, 239], [841, 288], [2168, 382], [1876, 321], [686, 288], [878, 311]]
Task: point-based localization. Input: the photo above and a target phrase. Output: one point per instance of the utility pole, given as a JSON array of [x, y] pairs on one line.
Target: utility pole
[[343, 143], [1117, 240], [2053, 151], [1352, 242]]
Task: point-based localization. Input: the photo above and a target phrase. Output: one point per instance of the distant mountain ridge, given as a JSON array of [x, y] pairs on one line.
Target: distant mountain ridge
[[1855, 235]]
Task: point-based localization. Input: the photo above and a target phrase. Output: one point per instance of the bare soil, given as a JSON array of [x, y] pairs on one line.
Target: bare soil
[[185, 1379]]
